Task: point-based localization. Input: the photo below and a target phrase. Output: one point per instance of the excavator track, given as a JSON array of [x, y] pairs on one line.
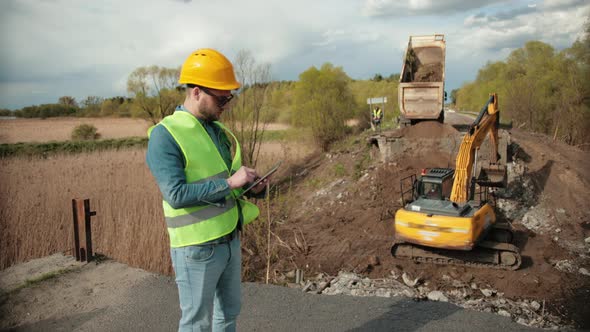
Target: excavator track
[[487, 254]]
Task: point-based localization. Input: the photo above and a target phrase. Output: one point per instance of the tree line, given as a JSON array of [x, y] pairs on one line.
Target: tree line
[[540, 89], [92, 106]]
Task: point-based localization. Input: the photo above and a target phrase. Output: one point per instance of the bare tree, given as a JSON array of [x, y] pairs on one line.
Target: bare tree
[[246, 118], [68, 101]]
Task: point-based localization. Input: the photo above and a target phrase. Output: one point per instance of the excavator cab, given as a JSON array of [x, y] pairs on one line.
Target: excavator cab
[[436, 183]]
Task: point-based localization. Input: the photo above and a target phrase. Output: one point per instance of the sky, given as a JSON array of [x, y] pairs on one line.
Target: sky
[[53, 48]]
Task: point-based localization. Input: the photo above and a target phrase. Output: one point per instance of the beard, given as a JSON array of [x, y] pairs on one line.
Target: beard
[[210, 113]]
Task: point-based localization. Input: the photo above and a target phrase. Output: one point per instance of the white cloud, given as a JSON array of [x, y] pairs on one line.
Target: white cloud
[[421, 7], [552, 4], [511, 29], [86, 48]]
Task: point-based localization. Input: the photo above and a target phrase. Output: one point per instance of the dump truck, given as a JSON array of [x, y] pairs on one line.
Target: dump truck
[[421, 90]]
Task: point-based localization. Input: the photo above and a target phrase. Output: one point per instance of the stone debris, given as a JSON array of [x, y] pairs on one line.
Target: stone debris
[[535, 219], [437, 296], [408, 281], [457, 283], [565, 266], [468, 296], [329, 188], [348, 283]]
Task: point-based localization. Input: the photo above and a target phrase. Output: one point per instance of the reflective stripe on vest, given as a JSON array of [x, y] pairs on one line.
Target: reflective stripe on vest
[[202, 223], [201, 215]]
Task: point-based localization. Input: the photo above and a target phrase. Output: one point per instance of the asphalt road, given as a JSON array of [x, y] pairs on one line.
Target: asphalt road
[[153, 306]]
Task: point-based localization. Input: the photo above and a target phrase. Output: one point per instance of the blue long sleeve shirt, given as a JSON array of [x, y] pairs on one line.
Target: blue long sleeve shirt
[[166, 162]]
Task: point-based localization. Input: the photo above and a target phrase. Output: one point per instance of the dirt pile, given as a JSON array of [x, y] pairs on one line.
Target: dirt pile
[[424, 64], [429, 73], [428, 130], [343, 220]]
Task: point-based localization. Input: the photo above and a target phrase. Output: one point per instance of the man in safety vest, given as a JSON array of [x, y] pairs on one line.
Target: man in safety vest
[[377, 116], [189, 154]]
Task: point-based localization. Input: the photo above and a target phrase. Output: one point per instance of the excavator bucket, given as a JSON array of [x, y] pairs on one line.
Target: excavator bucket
[[492, 175]]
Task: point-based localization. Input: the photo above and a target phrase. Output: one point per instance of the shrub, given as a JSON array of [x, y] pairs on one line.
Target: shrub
[[85, 132]]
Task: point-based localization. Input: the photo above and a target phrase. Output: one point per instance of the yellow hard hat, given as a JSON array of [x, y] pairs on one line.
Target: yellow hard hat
[[209, 68]]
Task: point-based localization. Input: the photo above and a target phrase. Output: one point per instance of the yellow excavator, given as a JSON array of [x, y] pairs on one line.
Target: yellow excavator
[[443, 221]]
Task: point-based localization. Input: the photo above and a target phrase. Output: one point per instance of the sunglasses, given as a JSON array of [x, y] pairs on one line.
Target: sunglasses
[[221, 100]]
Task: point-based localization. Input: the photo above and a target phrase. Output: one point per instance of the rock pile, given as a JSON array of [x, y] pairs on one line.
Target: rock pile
[[470, 296]]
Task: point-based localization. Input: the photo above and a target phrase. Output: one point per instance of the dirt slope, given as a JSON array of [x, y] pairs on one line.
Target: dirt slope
[[348, 199]]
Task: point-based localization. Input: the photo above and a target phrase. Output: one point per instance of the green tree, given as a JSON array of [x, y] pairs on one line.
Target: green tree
[[92, 105], [454, 96], [116, 106], [393, 77], [539, 89], [155, 91], [68, 101], [572, 120], [108, 107], [377, 78], [324, 101], [281, 102]]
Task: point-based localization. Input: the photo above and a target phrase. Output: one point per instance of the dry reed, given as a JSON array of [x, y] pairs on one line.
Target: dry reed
[[36, 210]]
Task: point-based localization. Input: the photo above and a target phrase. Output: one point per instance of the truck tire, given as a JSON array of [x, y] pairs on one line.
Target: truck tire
[[441, 117]]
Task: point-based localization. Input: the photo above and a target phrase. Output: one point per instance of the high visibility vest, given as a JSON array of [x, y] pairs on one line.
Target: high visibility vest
[[202, 223], [377, 113]]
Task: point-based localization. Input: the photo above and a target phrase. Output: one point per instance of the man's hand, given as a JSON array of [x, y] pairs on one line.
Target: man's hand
[[260, 187], [240, 178]]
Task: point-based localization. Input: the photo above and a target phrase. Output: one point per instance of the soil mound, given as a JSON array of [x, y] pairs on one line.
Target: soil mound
[[429, 129]]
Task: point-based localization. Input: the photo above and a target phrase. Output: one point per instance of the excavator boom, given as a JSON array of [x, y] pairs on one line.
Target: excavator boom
[[486, 122]]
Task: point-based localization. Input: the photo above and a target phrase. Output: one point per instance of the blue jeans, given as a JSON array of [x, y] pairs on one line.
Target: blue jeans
[[208, 279]]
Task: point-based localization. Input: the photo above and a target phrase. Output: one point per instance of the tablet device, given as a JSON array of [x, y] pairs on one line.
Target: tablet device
[[260, 179]]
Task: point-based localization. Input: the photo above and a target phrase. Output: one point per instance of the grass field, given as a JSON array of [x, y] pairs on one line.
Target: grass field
[[60, 129]]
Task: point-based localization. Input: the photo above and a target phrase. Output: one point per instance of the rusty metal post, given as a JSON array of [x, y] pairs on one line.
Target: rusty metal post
[[82, 229], [76, 232]]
